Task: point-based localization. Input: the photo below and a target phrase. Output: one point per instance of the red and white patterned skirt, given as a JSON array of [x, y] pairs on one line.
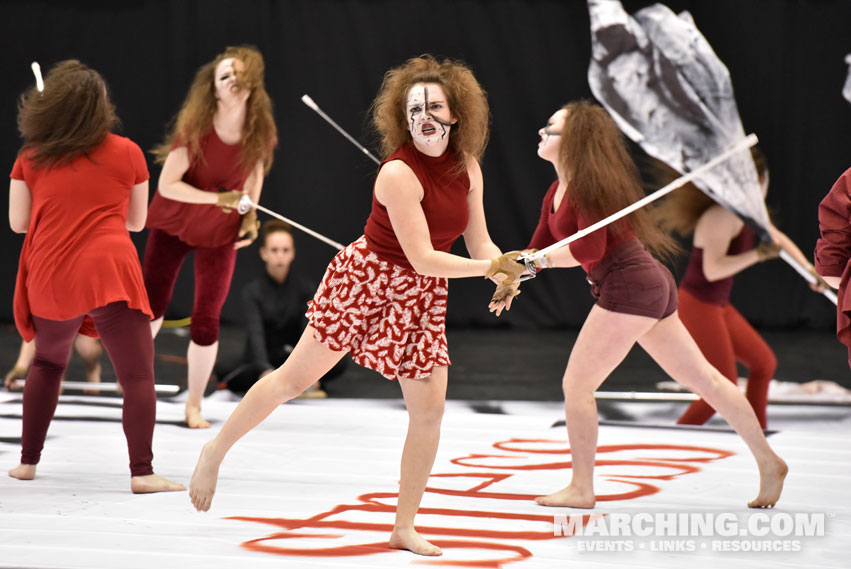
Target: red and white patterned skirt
[[389, 318]]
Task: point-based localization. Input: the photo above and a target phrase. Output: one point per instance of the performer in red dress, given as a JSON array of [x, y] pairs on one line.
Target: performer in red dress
[[636, 295], [219, 149], [383, 298], [76, 189], [833, 251]]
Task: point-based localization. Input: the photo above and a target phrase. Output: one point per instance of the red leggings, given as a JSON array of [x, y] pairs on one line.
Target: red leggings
[[126, 335], [724, 337], [164, 255]]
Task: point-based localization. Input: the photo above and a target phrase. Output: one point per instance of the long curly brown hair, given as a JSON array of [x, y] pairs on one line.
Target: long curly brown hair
[[681, 209], [467, 102], [71, 117], [602, 177], [195, 119]]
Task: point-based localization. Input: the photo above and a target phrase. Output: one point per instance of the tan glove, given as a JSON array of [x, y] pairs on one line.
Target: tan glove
[[13, 374], [229, 200], [250, 226], [505, 291], [508, 266], [766, 251]]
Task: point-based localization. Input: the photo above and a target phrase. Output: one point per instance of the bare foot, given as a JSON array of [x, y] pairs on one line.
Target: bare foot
[[193, 418], [771, 478], [569, 497], [23, 472], [412, 541], [202, 487], [153, 483]]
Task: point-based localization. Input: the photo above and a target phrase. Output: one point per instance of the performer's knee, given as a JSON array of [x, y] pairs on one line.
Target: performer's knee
[[204, 330]]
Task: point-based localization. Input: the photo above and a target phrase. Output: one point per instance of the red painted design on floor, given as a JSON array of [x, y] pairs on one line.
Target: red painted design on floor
[[495, 542]]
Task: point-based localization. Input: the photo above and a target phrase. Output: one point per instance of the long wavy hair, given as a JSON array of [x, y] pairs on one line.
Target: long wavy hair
[[681, 209], [467, 102], [602, 178], [70, 118], [195, 119]]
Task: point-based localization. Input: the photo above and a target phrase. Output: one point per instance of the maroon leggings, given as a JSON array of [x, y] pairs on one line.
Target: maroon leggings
[[126, 335], [164, 255], [724, 336]]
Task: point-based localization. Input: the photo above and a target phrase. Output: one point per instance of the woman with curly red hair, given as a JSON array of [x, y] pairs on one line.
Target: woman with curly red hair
[[76, 190], [636, 295], [383, 298], [219, 149]]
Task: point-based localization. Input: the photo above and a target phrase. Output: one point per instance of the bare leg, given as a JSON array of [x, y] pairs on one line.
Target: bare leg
[[670, 344], [90, 350], [200, 362], [156, 324], [603, 342], [23, 472], [309, 361], [22, 365], [425, 400]]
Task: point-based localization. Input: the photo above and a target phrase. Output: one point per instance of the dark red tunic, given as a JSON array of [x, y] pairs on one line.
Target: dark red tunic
[[833, 250]]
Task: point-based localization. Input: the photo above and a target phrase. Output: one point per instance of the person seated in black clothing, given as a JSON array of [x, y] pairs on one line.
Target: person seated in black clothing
[[273, 305]]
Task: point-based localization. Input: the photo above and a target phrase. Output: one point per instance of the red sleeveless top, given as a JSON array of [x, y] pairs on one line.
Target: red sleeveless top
[[444, 204], [717, 292], [203, 225]]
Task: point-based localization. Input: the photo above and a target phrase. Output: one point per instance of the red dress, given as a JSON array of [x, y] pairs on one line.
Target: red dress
[[833, 250], [372, 304], [203, 225], [77, 254]]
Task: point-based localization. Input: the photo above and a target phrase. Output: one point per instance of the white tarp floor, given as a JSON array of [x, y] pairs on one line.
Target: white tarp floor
[[315, 486]]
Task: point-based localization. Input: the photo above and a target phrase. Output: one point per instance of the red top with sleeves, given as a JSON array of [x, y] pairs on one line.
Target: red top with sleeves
[[444, 204], [555, 226], [717, 292], [77, 254], [833, 249], [203, 225]]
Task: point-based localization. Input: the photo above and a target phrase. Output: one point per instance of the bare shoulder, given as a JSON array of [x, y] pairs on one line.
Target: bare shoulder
[[474, 173], [397, 179], [719, 220]]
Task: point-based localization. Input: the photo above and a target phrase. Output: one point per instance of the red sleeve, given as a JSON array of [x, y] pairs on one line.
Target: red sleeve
[[833, 249], [17, 170], [137, 159], [542, 236], [591, 248]]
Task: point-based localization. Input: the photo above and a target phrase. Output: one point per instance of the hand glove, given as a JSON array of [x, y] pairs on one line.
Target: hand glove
[[766, 251], [229, 200], [250, 226], [507, 265], [505, 291]]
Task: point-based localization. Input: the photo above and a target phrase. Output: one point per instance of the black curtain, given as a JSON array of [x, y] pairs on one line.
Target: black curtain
[[786, 58]]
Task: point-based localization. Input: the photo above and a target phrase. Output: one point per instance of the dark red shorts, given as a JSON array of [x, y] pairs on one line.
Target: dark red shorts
[[629, 280]]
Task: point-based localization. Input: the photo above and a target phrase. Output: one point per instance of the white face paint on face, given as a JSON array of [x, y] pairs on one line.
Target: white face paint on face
[[551, 137], [429, 117], [227, 86]]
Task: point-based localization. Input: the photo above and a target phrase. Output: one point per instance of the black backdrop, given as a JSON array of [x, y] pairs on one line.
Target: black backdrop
[[785, 57]]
